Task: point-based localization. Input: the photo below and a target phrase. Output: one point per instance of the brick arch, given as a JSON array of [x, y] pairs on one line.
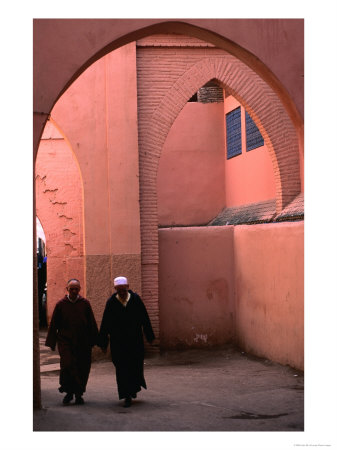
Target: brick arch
[[256, 96], [265, 108]]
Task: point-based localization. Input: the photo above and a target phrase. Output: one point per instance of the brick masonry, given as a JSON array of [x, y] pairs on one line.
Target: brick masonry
[[210, 93], [167, 77], [293, 211]]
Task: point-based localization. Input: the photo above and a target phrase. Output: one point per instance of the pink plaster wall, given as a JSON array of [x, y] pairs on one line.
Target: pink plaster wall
[[247, 165], [195, 180], [257, 41], [196, 286], [98, 114], [64, 48], [249, 177], [59, 207], [269, 286], [243, 283], [81, 114], [122, 148], [190, 181]]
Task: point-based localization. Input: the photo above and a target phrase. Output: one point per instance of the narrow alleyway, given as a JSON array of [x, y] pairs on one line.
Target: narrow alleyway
[[215, 390]]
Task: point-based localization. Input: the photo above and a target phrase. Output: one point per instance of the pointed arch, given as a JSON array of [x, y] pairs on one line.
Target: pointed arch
[[59, 206], [255, 95], [265, 109]]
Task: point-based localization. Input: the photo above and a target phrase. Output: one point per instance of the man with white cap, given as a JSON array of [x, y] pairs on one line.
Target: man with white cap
[[124, 320]]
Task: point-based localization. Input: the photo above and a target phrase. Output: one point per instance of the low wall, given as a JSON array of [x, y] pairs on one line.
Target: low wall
[[269, 291], [196, 288], [242, 283]]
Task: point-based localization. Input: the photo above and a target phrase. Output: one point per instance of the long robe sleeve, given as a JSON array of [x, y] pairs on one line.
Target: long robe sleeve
[[51, 338], [92, 327], [103, 336], [146, 323]]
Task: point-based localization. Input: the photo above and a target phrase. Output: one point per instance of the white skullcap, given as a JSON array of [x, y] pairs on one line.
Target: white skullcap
[[120, 280]]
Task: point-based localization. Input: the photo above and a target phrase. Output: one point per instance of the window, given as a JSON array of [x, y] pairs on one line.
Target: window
[[253, 136], [233, 133]]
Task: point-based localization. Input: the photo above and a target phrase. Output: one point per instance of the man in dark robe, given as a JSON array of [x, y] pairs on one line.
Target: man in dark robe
[[73, 327], [125, 319]]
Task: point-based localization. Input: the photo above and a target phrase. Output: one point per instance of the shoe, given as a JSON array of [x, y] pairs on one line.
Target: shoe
[[127, 402], [79, 400], [134, 395], [67, 399]]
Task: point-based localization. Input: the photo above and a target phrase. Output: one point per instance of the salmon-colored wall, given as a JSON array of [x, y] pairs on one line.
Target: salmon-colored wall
[[81, 114], [269, 286], [247, 165], [195, 180], [190, 177], [59, 207], [98, 115], [249, 177], [196, 286], [122, 145], [242, 283], [64, 46]]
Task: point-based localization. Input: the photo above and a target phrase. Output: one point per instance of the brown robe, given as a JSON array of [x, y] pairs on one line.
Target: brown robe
[[73, 327]]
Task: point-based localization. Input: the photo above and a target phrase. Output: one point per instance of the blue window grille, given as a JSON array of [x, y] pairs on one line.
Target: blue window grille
[[233, 133], [253, 136]]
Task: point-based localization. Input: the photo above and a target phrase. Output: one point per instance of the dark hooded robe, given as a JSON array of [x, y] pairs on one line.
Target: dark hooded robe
[[125, 326], [73, 327]]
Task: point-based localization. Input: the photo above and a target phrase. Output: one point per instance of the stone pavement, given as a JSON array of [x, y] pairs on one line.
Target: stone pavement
[[194, 390]]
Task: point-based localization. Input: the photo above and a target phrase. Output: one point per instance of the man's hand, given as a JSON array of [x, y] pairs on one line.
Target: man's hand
[[104, 349]]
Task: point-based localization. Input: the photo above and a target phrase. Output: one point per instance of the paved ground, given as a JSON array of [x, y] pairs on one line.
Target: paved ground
[[216, 390]]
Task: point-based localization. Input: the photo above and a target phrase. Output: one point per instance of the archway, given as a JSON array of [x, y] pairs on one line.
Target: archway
[[148, 163], [160, 100], [59, 205]]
